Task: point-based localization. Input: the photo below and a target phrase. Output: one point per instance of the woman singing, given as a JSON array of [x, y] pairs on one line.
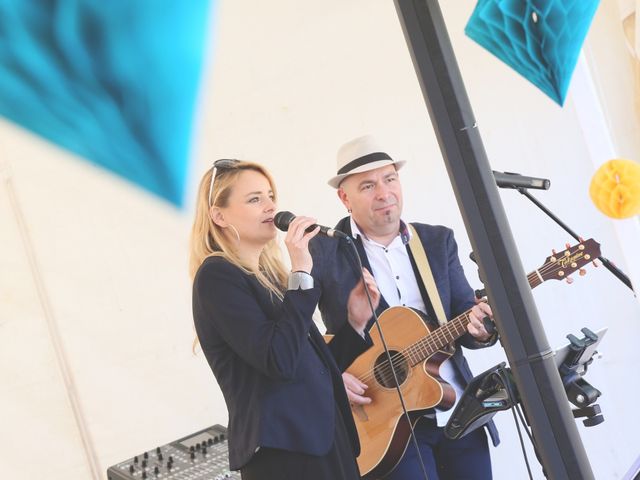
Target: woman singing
[[289, 417]]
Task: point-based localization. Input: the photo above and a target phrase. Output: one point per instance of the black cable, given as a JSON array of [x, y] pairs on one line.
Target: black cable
[[619, 274], [524, 452], [524, 424], [386, 350], [514, 408]]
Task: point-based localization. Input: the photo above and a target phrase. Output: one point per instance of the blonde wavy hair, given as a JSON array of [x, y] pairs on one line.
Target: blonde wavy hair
[[209, 239]]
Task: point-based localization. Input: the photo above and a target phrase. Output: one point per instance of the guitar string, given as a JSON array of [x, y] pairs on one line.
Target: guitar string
[[428, 345], [421, 347]]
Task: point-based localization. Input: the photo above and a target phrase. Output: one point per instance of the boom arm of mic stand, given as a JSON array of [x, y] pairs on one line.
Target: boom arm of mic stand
[[609, 266]]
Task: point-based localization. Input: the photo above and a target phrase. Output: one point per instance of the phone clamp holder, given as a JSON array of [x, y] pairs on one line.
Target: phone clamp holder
[[579, 355]]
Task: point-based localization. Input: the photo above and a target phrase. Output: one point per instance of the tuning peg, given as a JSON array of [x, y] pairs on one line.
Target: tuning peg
[[596, 263], [553, 250], [567, 245], [569, 280], [582, 272], [580, 239]]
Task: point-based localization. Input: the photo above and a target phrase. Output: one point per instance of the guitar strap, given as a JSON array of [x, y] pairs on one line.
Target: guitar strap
[[420, 256]]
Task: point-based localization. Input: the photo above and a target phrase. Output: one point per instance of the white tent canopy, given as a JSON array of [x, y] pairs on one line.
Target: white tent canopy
[[95, 314]]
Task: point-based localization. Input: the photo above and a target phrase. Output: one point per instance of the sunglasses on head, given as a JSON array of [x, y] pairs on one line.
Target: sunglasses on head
[[221, 164]]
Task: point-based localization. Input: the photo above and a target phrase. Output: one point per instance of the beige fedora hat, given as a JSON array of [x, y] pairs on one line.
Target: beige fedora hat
[[361, 155]]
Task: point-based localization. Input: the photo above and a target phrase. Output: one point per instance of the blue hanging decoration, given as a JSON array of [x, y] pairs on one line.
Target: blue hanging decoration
[[540, 39], [113, 81]]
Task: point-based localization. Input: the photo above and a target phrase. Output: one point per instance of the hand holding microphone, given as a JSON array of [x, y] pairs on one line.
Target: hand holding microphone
[[299, 231], [283, 219]]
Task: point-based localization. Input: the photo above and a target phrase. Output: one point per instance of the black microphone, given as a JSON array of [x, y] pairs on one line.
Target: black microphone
[[515, 180], [283, 219]]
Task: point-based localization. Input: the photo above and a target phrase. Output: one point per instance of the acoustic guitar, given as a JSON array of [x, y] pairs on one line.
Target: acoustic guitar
[[417, 351]]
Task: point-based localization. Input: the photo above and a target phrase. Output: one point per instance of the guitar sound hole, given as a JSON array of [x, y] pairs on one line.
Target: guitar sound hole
[[382, 369]]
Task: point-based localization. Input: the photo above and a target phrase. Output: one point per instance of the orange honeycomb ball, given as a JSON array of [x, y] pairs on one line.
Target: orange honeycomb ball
[[615, 188]]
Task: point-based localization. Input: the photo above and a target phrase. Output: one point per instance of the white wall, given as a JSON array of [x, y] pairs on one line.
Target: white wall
[[101, 266]]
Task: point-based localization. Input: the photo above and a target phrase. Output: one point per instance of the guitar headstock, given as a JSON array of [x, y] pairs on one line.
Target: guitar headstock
[[562, 264]]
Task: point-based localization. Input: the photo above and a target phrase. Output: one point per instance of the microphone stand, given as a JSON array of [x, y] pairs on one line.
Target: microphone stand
[[610, 266]]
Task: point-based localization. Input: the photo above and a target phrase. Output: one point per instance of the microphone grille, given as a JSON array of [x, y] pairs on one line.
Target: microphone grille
[[282, 220]]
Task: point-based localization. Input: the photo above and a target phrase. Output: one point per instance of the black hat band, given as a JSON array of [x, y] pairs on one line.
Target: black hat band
[[358, 162]]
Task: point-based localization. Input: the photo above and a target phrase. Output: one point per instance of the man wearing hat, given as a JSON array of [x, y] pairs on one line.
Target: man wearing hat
[[368, 185]]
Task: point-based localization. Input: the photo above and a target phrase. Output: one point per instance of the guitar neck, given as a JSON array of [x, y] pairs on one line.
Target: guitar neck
[[450, 331]]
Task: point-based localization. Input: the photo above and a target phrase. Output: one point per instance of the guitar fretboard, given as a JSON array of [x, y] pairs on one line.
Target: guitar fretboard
[[450, 331], [557, 266], [438, 339]]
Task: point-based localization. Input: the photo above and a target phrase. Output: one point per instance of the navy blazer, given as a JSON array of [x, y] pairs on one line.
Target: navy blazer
[[280, 381], [335, 270]]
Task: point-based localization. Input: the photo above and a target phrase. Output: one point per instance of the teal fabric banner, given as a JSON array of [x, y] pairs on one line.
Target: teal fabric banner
[[540, 39], [114, 81]]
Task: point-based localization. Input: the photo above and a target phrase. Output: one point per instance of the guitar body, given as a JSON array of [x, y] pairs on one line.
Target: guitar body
[[418, 352], [382, 427]]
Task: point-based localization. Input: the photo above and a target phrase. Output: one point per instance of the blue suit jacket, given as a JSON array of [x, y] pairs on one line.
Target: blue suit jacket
[[282, 384], [335, 271]]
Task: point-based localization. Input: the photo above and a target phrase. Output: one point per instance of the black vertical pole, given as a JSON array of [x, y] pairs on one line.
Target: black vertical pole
[[522, 336]]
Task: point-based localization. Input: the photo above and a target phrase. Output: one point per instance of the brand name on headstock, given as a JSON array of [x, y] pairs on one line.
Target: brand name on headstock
[[567, 261]]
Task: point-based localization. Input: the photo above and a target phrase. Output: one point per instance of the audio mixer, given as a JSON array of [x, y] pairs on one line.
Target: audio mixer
[[200, 456]]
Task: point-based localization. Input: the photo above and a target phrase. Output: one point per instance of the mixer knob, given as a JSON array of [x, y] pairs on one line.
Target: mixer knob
[[156, 470], [131, 469], [146, 455]]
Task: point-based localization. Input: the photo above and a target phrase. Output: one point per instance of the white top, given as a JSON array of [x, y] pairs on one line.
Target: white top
[[396, 280]]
